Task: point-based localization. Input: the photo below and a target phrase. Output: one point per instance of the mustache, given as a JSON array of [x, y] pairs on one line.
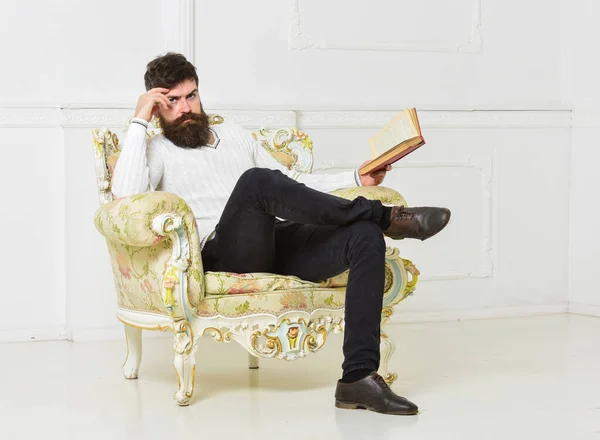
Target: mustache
[[193, 118]]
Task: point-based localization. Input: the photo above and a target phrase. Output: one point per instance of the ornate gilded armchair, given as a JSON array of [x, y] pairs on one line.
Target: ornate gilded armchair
[[153, 245]]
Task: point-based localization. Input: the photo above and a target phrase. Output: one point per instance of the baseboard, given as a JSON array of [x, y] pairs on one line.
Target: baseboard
[[490, 313], [32, 335], [116, 333], [584, 309]]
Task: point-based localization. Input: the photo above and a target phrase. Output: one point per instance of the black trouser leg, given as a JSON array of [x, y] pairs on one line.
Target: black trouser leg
[[316, 253], [245, 240], [323, 237]]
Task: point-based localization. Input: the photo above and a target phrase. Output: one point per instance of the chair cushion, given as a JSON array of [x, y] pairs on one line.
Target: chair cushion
[[272, 303], [226, 283]]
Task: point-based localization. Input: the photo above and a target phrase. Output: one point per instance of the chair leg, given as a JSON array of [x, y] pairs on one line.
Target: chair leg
[[184, 363], [386, 348], [133, 337], [252, 362]]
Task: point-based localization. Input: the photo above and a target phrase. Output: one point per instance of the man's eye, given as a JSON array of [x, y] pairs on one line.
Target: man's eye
[[172, 100], [192, 96]]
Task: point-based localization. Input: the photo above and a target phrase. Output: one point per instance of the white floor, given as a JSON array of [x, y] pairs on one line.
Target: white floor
[[527, 378]]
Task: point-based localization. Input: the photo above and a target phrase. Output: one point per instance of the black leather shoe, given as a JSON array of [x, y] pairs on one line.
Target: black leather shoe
[[421, 223], [374, 394]]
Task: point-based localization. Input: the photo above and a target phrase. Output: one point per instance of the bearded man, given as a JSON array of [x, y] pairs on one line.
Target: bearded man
[[252, 217]]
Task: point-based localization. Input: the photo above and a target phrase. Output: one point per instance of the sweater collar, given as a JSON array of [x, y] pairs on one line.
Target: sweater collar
[[216, 142]]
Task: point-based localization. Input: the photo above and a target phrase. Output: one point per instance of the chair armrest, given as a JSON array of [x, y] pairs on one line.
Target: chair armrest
[[132, 220], [387, 196], [146, 220]]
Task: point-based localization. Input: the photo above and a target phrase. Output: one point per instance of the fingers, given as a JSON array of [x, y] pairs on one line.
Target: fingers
[[150, 102], [160, 99], [374, 181], [381, 173], [378, 176], [157, 97], [158, 89]]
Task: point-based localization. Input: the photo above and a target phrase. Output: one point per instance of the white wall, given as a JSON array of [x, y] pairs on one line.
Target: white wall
[[582, 70], [32, 224], [52, 53], [33, 204], [490, 54], [498, 170]]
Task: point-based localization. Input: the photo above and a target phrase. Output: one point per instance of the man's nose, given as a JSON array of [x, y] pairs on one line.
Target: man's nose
[[185, 107]]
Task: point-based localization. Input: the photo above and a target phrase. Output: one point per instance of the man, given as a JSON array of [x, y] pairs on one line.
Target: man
[[226, 177]]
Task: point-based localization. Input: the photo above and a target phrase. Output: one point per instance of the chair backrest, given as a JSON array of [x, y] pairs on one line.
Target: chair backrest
[[290, 147]]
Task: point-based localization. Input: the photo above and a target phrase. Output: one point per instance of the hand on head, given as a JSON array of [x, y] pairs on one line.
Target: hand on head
[[149, 102]]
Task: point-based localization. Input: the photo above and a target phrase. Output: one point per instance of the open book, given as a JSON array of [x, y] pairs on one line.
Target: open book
[[401, 136]]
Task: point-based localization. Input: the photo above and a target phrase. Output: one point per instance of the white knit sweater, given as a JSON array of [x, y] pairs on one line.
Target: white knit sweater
[[203, 177]]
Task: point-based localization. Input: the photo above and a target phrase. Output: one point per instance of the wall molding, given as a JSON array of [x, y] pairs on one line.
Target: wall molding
[[583, 119], [584, 309], [116, 332], [484, 166], [437, 119], [259, 118], [120, 117], [32, 335], [178, 24], [95, 117], [298, 40], [489, 313], [117, 114], [29, 117], [113, 333]]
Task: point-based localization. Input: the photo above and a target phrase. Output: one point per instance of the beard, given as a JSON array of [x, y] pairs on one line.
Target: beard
[[190, 130]]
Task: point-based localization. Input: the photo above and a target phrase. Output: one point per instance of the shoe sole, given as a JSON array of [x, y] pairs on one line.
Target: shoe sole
[[352, 405]]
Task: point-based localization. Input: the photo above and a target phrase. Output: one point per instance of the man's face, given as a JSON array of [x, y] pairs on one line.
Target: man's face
[[183, 98], [185, 123]]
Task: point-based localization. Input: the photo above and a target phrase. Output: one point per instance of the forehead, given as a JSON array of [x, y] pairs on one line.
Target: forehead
[[183, 88]]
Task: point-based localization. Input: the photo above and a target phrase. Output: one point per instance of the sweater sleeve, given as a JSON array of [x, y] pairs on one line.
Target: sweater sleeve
[[326, 182], [140, 165]]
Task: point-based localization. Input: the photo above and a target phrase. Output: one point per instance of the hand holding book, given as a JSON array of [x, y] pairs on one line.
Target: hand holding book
[[400, 137], [374, 178]]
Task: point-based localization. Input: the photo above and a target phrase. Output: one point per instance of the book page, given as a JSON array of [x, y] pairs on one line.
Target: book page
[[397, 131]]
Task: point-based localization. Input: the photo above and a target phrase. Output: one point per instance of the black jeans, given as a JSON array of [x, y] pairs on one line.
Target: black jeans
[[322, 236]]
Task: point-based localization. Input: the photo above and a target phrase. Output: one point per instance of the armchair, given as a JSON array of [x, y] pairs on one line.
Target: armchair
[[160, 283]]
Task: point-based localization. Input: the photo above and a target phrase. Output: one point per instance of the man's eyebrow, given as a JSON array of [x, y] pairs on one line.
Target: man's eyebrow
[[177, 96]]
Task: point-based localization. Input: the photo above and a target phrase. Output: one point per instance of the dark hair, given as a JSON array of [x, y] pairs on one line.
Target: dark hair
[[169, 70]]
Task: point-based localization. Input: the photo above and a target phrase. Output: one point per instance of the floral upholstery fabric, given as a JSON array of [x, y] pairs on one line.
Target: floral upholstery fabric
[[273, 303], [224, 283], [235, 295], [139, 255], [137, 273]]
